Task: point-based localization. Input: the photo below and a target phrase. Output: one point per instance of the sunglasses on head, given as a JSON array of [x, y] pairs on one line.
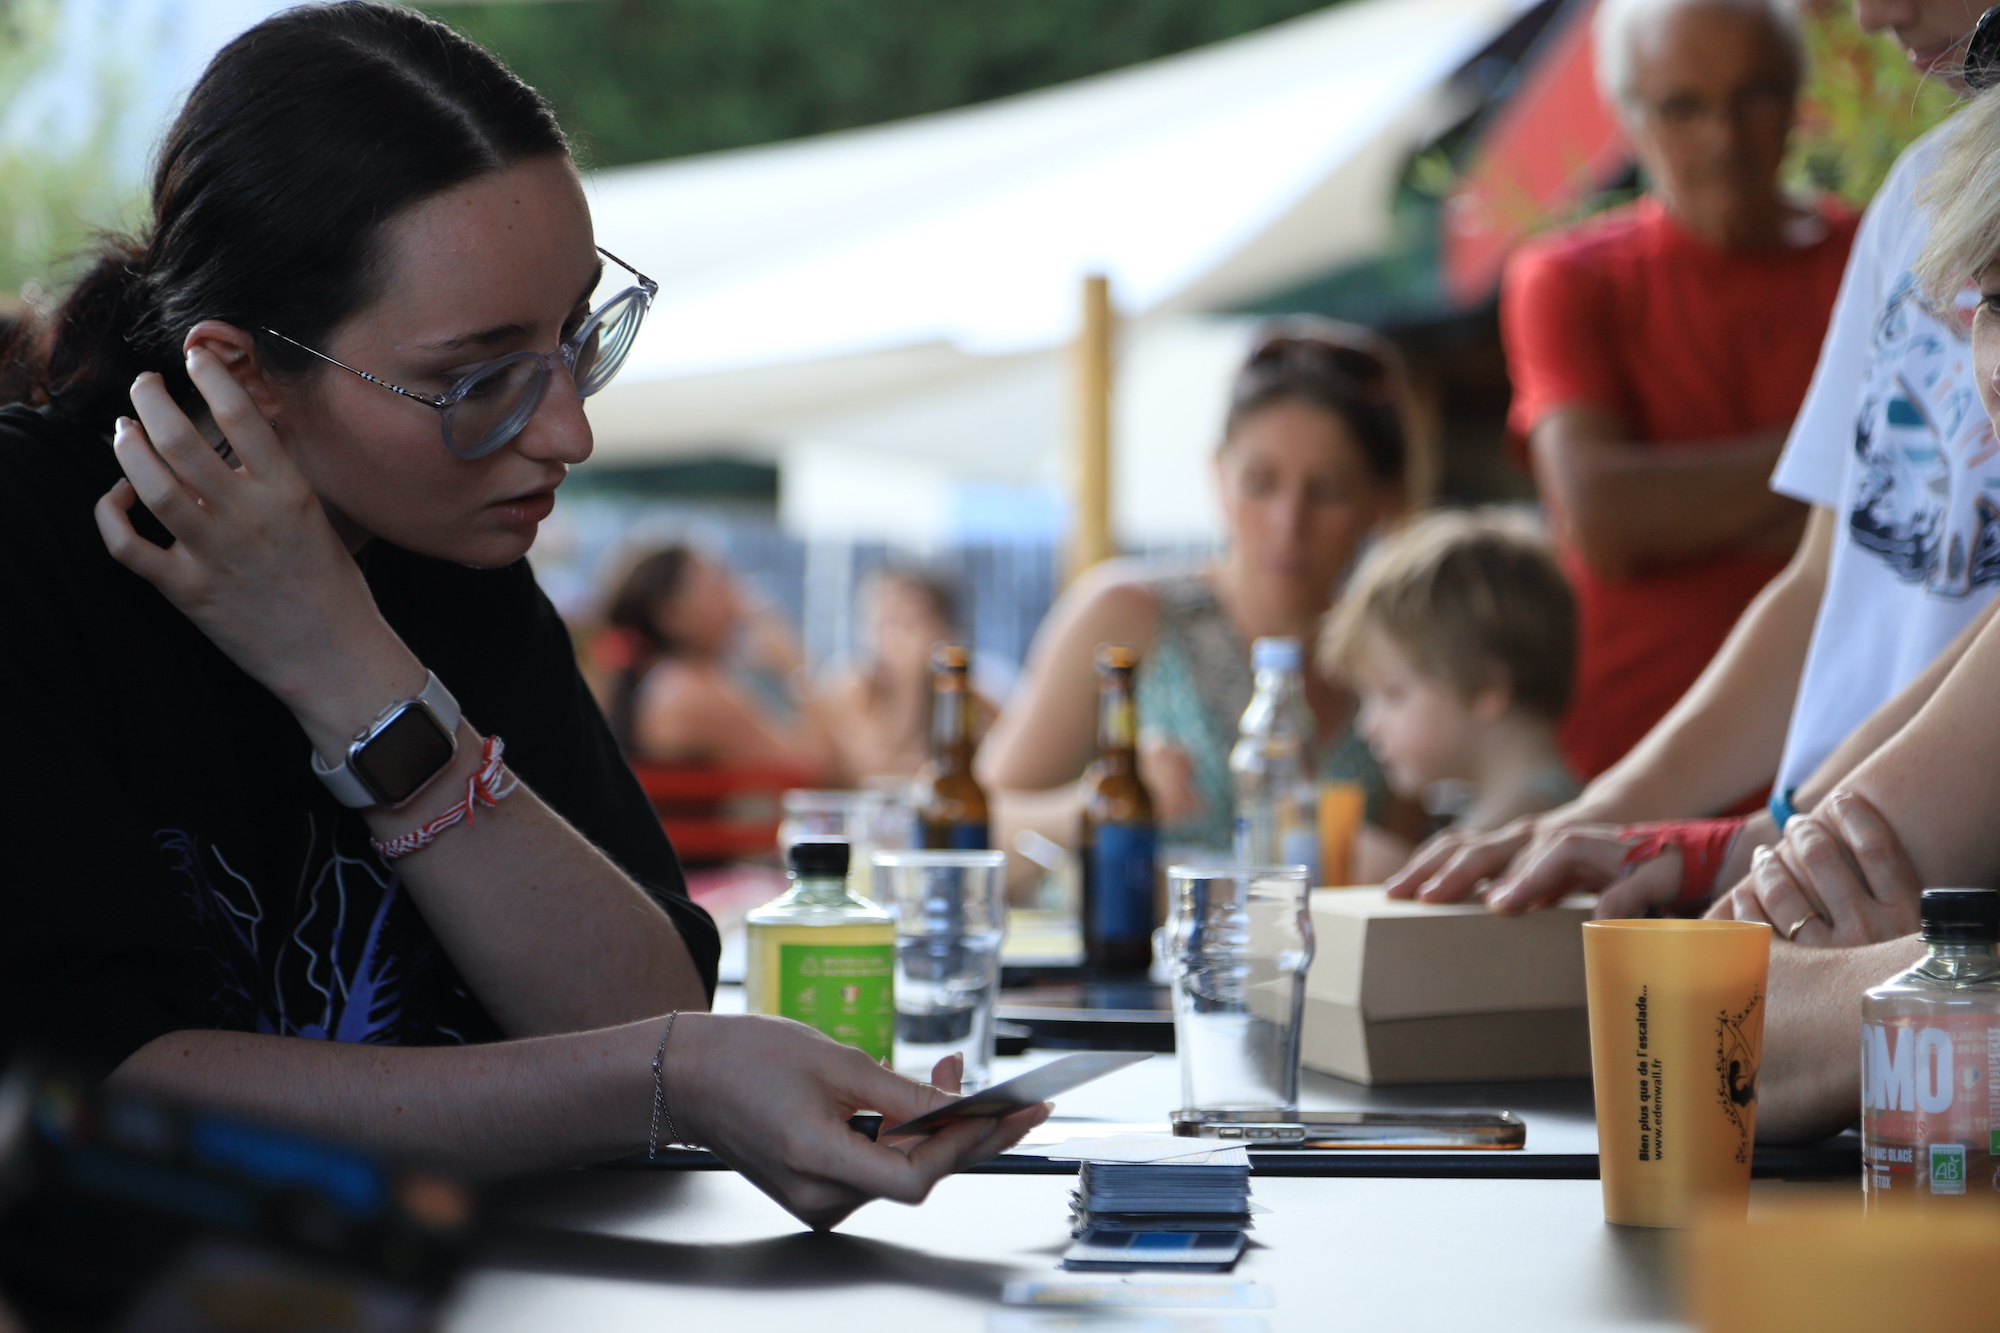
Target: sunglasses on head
[[1365, 368], [1982, 52], [491, 404]]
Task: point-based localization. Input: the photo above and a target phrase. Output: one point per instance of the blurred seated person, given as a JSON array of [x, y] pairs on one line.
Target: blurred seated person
[[1458, 635], [880, 714], [1660, 352], [1313, 462], [677, 699]]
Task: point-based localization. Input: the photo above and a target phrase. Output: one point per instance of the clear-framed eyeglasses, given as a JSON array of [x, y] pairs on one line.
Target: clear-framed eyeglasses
[[491, 404]]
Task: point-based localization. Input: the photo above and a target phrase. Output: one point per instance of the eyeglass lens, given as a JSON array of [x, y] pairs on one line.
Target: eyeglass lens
[[497, 402]]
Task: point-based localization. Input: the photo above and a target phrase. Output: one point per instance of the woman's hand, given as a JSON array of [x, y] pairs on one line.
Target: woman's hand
[[1839, 878], [255, 562], [1169, 777], [1450, 866], [771, 1097]]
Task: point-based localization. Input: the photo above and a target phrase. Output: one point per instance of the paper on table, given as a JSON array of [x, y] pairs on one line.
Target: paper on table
[[1121, 1321], [1138, 1148]]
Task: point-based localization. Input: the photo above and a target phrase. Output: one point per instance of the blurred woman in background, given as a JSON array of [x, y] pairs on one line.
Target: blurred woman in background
[[676, 697], [881, 712], [1314, 461]]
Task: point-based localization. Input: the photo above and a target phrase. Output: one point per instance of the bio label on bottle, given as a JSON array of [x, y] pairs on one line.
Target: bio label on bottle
[[845, 991]]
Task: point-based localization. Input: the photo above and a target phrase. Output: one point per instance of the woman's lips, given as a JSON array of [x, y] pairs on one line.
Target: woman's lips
[[526, 509], [1929, 58]]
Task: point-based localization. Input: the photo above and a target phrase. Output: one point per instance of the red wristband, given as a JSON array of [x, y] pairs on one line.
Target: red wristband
[[1704, 845]]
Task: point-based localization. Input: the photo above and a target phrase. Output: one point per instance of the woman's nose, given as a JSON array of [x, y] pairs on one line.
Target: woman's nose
[[558, 432]]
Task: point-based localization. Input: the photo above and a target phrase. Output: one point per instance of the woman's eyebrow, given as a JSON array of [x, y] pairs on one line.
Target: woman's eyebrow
[[502, 332]]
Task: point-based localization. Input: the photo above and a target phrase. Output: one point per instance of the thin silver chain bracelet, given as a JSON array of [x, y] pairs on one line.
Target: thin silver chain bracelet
[[660, 1111]]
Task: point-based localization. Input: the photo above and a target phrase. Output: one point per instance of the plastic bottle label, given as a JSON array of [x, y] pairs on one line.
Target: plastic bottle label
[[1929, 1111], [1121, 871], [846, 991]]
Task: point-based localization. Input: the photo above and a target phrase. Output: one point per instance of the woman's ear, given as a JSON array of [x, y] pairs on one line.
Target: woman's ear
[[237, 351]]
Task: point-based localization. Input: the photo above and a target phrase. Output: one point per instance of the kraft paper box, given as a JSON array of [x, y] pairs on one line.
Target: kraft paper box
[[1403, 992]]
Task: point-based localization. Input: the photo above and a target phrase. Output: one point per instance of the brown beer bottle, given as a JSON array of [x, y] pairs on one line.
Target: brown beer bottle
[[951, 804], [1120, 839]]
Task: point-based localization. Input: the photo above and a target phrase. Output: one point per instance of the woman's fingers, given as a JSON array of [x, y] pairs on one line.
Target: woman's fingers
[[248, 431], [113, 513], [1885, 866], [948, 1074], [1582, 858], [1451, 867], [154, 483], [1784, 900], [177, 441]]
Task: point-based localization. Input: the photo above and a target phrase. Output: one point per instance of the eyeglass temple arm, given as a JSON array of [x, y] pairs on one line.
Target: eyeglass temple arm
[[651, 288], [423, 398]]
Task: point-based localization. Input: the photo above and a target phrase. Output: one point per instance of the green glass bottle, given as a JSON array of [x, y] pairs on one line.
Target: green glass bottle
[[824, 955]]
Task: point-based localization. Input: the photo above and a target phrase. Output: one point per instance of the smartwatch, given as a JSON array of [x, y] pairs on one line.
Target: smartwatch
[[403, 749]]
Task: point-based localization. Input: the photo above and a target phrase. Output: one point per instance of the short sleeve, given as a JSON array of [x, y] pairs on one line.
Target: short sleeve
[[1556, 327], [1812, 466]]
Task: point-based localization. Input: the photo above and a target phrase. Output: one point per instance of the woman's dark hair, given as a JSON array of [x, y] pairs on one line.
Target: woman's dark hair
[[302, 138], [652, 579], [1340, 369], [939, 594], [633, 619]]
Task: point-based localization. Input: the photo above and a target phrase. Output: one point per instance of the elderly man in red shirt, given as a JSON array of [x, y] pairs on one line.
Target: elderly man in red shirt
[[1660, 351]]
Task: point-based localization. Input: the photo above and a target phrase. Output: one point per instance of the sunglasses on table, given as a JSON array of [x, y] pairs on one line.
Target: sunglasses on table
[[491, 404]]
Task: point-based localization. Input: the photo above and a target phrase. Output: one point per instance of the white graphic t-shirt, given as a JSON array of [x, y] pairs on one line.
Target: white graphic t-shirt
[[1893, 440]]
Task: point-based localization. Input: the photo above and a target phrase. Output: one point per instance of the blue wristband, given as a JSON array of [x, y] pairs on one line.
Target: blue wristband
[[1781, 807]]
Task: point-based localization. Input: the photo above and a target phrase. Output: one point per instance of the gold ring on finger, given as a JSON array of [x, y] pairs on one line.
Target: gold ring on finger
[[1800, 925]]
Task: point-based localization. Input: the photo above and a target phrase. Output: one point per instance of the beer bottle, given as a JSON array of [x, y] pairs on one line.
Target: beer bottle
[[951, 805], [1119, 836]]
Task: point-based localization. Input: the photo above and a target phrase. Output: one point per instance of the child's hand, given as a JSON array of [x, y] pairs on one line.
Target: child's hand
[[1169, 777]]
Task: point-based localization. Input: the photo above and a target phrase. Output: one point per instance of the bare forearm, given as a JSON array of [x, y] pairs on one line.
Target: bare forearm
[[549, 934], [510, 1106], [1809, 1086], [1883, 724], [1628, 507], [1724, 738]]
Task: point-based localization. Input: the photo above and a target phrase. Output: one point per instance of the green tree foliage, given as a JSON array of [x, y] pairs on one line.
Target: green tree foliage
[[639, 80], [54, 198], [1862, 106]]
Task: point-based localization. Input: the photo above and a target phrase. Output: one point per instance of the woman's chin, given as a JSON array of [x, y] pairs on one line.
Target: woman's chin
[[486, 549]]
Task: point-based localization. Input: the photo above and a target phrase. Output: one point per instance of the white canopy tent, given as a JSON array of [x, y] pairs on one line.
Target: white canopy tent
[[884, 309]]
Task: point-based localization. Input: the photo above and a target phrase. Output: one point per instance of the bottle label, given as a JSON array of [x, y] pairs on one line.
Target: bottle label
[[846, 991], [1930, 1115], [1120, 900]]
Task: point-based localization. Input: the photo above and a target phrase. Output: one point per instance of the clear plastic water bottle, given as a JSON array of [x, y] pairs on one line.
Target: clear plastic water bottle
[[1273, 765], [1930, 1042]]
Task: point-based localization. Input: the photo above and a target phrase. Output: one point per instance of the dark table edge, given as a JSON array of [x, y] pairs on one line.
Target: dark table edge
[[1842, 1163]]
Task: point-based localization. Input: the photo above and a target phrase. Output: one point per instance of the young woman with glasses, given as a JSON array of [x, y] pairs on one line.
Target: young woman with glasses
[[309, 813], [1313, 460]]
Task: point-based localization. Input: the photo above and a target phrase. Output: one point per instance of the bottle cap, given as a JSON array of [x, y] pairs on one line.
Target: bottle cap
[[1116, 657], [820, 858], [1961, 914], [1274, 655], [950, 657]]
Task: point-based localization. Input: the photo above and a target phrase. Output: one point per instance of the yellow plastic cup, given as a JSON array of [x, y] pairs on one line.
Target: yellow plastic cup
[[1676, 1040], [1342, 807]]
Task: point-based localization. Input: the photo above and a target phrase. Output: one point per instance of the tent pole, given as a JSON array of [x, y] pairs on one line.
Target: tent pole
[[1090, 440]]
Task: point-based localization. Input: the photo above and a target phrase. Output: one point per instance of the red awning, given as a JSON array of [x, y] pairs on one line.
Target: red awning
[[1550, 147]]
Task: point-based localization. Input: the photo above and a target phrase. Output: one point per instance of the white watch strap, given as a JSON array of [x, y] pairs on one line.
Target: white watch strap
[[348, 789]]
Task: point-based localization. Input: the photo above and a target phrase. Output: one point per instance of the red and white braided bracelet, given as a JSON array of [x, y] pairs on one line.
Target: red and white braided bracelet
[[489, 786]]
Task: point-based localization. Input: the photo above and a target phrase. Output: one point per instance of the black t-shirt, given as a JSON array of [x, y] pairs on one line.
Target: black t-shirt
[[167, 858]]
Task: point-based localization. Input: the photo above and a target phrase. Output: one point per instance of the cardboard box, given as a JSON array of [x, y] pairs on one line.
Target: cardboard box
[[1403, 992]]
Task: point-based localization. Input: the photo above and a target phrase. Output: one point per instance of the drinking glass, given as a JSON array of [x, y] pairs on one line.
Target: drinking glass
[[1239, 941], [852, 817], [951, 912]]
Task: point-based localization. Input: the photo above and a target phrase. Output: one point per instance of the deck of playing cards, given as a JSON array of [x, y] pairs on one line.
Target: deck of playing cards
[[1187, 1215]]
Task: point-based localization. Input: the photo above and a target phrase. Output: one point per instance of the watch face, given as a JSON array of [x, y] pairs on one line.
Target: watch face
[[399, 759]]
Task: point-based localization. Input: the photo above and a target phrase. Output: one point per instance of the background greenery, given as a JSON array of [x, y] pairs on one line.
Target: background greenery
[[638, 80]]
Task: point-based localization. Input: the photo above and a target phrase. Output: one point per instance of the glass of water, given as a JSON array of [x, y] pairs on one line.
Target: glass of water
[[951, 912], [1239, 941]]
